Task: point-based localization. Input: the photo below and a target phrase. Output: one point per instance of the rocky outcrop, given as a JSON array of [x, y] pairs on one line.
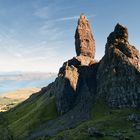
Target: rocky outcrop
[[116, 78], [119, 71], [65, 89], [93, 132], [76, 83], [84, 41], [76, 78]]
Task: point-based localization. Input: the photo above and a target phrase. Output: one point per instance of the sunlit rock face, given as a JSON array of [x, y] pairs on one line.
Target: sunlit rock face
[[84, 41], [118, 77], [76, 79]]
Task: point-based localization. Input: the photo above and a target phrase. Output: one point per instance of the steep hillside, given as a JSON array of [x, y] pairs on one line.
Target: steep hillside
[[105, 124], [25, 117]]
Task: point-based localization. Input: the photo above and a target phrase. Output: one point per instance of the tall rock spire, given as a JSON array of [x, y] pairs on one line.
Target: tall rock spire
[[84, 41], [71, 75]]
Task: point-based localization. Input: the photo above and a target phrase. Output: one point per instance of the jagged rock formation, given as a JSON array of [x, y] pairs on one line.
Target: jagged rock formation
[[84, 41], [118, 78], [65, 87], [75, 76], [82, 81]]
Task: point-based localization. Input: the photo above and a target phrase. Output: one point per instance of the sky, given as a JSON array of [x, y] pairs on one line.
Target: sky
[[38, 35]]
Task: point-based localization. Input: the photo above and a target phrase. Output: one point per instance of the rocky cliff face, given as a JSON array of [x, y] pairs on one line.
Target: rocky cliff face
[[84, 41], [119, 71], [116, 78], [79, 72], [82, 81]]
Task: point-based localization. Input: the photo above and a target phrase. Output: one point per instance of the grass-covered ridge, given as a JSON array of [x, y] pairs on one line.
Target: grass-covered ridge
[[23, 119], [112, 122]]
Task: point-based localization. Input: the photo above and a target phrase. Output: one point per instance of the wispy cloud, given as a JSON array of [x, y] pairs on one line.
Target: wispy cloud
[[39, 56], [67, 18], [72, 18], [40, 42]]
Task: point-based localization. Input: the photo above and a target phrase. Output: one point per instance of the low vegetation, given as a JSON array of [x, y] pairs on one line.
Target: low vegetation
[[24, 118], [113, 123], [8, 103], [19, 122], [11, 99]]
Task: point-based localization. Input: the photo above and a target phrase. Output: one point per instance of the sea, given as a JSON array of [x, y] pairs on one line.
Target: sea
[[12, 85]]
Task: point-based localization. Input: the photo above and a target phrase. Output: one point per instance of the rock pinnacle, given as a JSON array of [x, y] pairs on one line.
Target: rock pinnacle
[[84, 41]]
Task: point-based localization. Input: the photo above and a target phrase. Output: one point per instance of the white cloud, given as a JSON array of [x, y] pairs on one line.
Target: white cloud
[[72, 18], [67, 18]]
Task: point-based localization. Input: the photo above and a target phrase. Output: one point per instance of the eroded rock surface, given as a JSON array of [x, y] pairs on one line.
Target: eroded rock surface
[[76, 83], [76, 78], [119, 71], [84, 41]]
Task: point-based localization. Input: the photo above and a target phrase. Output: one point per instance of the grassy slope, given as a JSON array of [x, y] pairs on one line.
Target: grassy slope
[[30, 114], [7, 103], [112, 121], [38, 109]]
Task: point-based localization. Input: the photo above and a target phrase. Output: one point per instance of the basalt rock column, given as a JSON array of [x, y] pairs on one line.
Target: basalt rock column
[[84, 41], [119, 71], [74, 80]]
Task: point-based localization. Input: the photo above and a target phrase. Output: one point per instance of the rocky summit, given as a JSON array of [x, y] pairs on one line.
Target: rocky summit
[[84, 41], [115, 78], [78, 72], [88, 99], [119, 71]]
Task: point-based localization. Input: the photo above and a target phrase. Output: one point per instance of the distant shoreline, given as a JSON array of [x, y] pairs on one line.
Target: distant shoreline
[[10, 99], [14, 81], [26, 76], [22, 93]]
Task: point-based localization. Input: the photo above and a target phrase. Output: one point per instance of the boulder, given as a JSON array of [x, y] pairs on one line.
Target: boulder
[[93, 132], [134, 117], [137, 126]]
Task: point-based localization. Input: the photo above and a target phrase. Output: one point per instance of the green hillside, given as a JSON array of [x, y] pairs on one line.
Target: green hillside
[[24, 118], [112, 123]]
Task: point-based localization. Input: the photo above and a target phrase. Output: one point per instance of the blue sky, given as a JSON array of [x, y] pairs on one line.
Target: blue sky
[[38, 35]]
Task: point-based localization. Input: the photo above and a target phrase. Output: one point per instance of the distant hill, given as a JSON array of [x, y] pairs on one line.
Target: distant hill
[[11, 81], [25, 75]]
